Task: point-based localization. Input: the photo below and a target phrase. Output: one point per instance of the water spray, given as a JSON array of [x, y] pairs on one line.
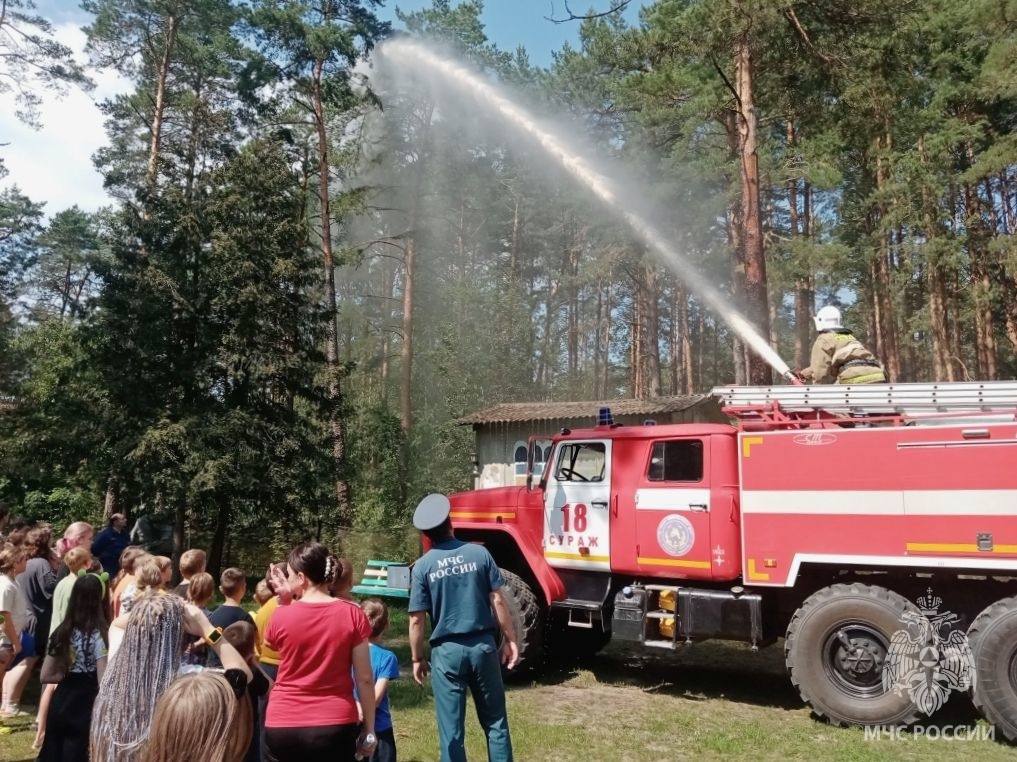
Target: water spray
[[410, 53]]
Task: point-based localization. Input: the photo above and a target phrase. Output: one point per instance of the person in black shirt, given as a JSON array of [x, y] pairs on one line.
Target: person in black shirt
[[233, 586], [110, 543]]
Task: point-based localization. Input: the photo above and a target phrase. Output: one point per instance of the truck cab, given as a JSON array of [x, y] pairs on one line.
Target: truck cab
[[614, 506], [643, 501]]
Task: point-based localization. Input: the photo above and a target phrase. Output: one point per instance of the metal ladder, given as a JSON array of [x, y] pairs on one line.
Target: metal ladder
[[912, 399]]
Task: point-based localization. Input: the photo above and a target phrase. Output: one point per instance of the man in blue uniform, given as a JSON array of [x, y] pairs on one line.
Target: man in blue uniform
[[458, 584]]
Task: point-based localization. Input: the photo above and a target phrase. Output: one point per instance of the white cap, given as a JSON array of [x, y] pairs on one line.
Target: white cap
[[827, 318]]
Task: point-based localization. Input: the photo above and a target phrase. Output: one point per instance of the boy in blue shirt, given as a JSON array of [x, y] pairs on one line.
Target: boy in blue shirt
[[385, 667]]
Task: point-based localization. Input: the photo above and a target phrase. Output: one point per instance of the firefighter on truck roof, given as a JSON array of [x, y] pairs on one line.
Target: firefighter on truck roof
[[838, 357]]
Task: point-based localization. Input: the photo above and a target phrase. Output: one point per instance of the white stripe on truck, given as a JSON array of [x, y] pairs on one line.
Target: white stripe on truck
[[959, 502]]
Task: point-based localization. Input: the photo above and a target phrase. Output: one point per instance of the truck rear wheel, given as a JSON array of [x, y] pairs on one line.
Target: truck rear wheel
[[527, 620], [836, 645], [993, 639]]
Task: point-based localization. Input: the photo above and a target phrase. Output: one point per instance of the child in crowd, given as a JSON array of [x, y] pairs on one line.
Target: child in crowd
[[13, 606], [343, 585], [37, 583], [242, 636], [191, 562], [148, 575], [77, 647], [233, 586], [262, 593], [202, 716], [125, 577], [165, 564], [385, 667], [200, 589], [269, 657], [76, 559]]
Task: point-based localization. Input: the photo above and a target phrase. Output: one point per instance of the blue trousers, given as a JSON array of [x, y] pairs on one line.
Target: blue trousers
[[471, 664]]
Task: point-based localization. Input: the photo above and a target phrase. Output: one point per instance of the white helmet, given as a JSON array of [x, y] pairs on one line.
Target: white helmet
[[827, 318]]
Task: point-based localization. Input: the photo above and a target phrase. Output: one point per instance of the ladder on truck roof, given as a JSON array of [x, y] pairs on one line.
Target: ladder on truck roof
[[836, 404]]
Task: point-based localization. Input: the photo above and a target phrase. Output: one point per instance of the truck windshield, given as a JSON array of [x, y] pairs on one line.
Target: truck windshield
[[581, 462]]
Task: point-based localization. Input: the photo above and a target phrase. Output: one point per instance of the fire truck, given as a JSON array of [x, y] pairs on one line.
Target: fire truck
[[829, 516]]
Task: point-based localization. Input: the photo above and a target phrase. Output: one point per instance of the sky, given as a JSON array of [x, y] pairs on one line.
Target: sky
[[54, 164]]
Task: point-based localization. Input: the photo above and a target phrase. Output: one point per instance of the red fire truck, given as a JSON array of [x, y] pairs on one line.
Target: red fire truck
[[830, 516]]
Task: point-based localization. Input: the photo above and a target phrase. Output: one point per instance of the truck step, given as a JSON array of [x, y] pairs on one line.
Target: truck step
[[668, 644], [663, 588], [577, 604]]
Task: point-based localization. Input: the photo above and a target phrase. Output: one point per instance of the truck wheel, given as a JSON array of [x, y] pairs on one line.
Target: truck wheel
[[835, 648], [993, 639], [527, 620]]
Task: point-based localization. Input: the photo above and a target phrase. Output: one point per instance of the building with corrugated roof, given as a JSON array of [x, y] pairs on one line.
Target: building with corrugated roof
[[506, 432]]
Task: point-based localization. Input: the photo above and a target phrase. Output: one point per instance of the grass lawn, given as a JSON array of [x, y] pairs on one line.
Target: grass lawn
[[713, 701]]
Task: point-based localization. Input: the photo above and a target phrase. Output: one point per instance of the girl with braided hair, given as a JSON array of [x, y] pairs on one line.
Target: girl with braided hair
[[312, 714], [142, 669]]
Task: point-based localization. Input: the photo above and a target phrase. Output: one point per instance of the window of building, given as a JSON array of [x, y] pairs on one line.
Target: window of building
[[677, 461], [581, 462], [519, 458], [541, 452]]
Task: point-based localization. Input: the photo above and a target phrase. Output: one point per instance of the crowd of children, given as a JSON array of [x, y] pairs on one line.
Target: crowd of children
[[133, 668]]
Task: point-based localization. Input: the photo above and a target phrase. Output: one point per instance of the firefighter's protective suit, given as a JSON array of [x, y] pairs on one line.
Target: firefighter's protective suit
[[838, 357]]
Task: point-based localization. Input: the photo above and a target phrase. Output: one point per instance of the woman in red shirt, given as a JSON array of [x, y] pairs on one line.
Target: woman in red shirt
[[312, 714]]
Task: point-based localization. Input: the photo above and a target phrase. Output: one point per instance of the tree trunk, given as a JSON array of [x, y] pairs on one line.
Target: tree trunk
[[675, 343], [981, 284], [406, 351], [180, 515], [737, 357], [651, 333], [756, 301], [111, 504], [388, 291], [216, 551], [336, 423], [572, 340], [882, 288], [700, 341], [172, 25], [605, 345], [735, 241], [803, 297], [636, 341], [681, 347], [936, 278]]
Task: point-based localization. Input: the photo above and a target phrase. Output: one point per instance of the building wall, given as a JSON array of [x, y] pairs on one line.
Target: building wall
[[496, 442]]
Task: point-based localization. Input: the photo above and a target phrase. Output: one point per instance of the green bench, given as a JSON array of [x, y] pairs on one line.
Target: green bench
[[377, 582]]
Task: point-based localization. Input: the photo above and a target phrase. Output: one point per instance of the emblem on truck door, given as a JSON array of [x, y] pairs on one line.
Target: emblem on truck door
[[675, 534]]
